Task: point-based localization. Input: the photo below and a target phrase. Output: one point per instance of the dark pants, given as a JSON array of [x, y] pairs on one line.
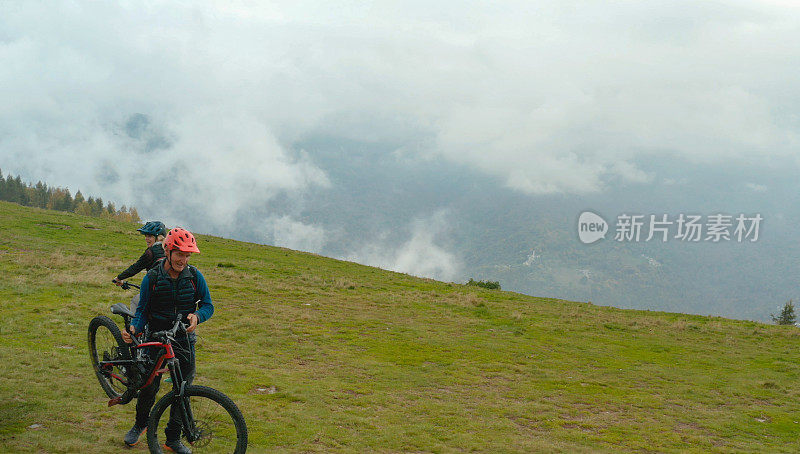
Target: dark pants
[[184, 352]]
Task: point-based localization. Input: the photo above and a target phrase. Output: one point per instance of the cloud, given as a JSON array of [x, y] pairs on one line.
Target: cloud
[[756, 187], [234, 162], [287, 232], [420, 255], [575, 100], [547, 96], [674, 182], [630, 173], [151, 115]]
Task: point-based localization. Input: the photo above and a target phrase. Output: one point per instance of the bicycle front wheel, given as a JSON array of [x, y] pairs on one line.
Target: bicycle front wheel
[[215, 422], [106, 344]]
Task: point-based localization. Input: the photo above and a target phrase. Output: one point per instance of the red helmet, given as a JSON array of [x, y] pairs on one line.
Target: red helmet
[[180, 239]]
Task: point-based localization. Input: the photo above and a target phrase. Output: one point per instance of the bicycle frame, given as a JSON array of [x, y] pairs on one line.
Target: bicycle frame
[[171, 362], [167, 358]]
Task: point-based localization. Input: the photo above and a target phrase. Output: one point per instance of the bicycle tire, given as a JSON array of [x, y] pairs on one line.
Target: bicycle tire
[[122, 393], [105, 352], [204, 444]]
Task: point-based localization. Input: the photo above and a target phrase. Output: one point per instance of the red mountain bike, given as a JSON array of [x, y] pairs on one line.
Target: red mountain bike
[[211, 420]]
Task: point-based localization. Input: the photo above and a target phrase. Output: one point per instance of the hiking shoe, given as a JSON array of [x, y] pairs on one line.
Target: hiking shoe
[[177, 446], [132, 437]]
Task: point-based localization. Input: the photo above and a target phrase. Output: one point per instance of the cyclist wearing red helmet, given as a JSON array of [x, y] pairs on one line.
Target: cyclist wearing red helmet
[[172, 287]]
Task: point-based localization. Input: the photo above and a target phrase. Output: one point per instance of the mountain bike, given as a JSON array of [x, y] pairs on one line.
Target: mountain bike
[[211, 421], [106, 344]]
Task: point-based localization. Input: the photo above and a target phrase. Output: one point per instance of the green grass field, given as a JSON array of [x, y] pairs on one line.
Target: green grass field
[[363, 359]]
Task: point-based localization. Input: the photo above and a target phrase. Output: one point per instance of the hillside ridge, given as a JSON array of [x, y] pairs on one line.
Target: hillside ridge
[[324, 355]]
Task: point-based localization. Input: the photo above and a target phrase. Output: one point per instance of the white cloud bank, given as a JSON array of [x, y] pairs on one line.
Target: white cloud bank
[[550, 96], [287, 232], [420, 255], [755, 187]]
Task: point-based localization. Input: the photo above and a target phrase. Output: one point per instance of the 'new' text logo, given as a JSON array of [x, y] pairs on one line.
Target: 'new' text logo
[[591, 227]]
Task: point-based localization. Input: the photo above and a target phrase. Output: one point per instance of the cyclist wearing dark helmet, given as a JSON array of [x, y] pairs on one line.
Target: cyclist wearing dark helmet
[[171, 287], [154, 233]]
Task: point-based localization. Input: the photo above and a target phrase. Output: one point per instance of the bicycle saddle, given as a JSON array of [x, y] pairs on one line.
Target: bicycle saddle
[[121, 309]]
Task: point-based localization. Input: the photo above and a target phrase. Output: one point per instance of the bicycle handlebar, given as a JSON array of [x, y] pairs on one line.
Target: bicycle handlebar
[[125, 284], [170, 333]]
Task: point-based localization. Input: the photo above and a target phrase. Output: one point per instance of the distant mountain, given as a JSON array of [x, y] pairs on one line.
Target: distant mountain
[[529, 243], [394, 206]]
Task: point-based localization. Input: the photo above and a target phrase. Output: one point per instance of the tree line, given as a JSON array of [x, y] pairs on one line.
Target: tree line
[[13, 189]]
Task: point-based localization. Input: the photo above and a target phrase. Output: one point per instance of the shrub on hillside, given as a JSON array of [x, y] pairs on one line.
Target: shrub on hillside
[[787, 316], [492, 285]]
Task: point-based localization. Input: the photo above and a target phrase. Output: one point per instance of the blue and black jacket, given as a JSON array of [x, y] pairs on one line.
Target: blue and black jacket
[[162, 297]]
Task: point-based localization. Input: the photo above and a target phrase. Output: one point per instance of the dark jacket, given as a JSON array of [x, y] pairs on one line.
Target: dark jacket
[[147, 261], [162, 297]]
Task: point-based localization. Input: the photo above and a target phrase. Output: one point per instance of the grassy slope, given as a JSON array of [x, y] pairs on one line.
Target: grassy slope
[[366, 359]]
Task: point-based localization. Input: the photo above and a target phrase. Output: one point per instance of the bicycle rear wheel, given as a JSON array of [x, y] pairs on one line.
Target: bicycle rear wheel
[[106, 344], [219, 426]]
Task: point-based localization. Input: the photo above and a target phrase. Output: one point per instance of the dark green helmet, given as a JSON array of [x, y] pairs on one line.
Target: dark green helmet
[[154, 228]]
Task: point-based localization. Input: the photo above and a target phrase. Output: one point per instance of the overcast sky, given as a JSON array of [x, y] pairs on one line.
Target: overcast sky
[[130, 100]]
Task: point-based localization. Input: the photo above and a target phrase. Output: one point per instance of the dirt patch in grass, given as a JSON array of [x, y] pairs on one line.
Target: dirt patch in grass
[[54, 225], [264, 390]]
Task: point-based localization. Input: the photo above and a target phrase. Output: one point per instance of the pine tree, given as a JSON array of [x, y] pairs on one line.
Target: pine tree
[[786, 316], [15, 190], [2, 186], [21, 192], [93, 206], [66, 203], [8, 189], [53, 198], [77, 202], [40, 195]]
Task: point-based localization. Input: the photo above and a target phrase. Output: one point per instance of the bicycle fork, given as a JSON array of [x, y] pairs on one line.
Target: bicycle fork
[[182, 401]]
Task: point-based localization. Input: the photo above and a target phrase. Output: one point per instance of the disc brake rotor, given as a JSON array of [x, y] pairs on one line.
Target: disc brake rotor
[[204, 434]]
